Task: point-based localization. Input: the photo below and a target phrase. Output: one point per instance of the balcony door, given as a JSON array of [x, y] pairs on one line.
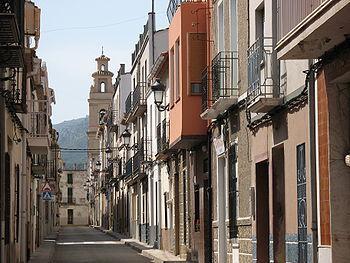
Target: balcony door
[[70, 217]]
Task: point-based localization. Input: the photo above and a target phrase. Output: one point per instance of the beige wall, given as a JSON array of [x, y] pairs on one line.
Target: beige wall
[[80, 203]]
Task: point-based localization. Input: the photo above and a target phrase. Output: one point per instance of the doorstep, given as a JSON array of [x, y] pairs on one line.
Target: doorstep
[[157, 255]]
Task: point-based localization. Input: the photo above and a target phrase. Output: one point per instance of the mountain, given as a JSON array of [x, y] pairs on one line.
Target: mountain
[[72, 134]]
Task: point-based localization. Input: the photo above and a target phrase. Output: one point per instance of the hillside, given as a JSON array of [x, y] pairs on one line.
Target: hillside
[[72, 134]]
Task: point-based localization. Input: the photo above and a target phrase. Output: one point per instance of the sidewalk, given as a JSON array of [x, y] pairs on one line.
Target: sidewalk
[[46, 251], [157, 255]]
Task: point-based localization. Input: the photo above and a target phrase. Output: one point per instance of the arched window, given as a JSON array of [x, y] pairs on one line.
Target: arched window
[[103, 67], [103, 87], [102, 113]]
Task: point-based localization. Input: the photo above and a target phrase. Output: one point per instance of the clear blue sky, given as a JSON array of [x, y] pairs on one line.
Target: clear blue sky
[[69, 45]]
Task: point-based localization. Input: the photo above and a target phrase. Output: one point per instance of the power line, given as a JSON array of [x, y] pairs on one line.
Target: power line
[[93, 27]]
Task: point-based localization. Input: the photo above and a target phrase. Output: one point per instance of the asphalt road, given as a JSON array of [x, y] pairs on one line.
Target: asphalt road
[[85, 244]]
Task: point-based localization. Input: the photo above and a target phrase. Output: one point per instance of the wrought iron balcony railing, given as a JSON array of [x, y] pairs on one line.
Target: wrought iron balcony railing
[[38, 118], [128, 104], [205, 89], [142, 155], [139, 94], [11, 33], [162, 136], [225, 75], [128, 168], [261, 67], [69, 200], [172, 7]]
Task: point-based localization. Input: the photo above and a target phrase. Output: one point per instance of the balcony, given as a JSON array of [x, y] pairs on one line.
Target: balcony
[[309, 28], [15, 93], [69, 201], [141, 156], [128, 168], [224, 89], [11, 33], [162, 140], [139, 99], [263, 92], [38, 139], [128, 105]]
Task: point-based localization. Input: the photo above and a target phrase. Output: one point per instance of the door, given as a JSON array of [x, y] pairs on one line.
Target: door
[[70, 217], [262, 211]]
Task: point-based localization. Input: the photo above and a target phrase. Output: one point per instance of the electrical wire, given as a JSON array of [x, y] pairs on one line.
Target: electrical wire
[[94, 27]]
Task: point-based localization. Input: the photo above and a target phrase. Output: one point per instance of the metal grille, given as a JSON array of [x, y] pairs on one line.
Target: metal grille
[[233, 192], [301, 192], [172, 7], [205, 82], [128, 168], [260, 69], [128, 103], [139, 94], [224, 74]]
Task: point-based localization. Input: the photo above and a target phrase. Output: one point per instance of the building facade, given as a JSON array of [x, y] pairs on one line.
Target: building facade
[[74, 198], [29, 153], [243, 156]]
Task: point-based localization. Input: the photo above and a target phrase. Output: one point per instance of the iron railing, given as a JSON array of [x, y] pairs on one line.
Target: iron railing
[[205, 89], [38, 118], [139, 94], [69, 200], [139, 44], [128, 168], [128, 104], [142, 155], [172, 7], [11, 33], [224, 75], [291, 12], [162, 136], [261, 67]]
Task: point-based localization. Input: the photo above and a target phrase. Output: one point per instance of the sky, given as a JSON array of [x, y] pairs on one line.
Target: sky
[[72, 36]]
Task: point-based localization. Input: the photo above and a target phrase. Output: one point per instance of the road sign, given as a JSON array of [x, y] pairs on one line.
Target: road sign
[[46, 187], [47, 196]]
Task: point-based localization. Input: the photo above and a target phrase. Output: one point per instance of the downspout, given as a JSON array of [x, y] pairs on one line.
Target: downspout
[[310, 82], [153, 32], [23, 198]]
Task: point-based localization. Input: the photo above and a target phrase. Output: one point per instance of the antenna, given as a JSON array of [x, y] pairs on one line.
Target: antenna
[[102, 50]]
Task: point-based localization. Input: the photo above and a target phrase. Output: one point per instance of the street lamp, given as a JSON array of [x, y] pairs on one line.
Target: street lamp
[[126, 138], [159, 95]]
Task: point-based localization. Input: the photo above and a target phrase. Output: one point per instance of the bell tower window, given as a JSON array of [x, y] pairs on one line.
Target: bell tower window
[[103, 87], [103, 67]]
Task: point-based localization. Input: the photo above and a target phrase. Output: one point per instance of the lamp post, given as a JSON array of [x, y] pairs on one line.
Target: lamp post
[[159, 95]]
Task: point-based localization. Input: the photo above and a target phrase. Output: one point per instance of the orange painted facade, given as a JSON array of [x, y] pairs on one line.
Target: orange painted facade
[[188, 48]]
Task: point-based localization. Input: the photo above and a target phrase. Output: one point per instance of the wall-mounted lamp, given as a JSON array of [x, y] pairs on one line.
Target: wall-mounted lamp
[[159, 95]]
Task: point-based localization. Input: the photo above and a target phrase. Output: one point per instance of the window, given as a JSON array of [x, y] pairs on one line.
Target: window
[[70, 216], [172, 77], [70, 195], [301, 199], [103, 87], [221, 30], [103, 67], [177, 70], [196, 88], [166, 210], [234, 26], [196, 209], [69, 178], [233, 191]]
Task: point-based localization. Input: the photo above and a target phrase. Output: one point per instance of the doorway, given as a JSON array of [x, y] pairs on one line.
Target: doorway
[[278, 197], [70, 217], [262, 211], [221, 206]]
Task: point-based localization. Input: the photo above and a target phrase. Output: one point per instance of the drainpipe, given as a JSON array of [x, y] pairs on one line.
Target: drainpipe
[[2, 173], [310, 82], [23, 195]]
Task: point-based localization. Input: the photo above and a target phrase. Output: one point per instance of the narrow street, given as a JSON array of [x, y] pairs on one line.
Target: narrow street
[[84, 244]]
